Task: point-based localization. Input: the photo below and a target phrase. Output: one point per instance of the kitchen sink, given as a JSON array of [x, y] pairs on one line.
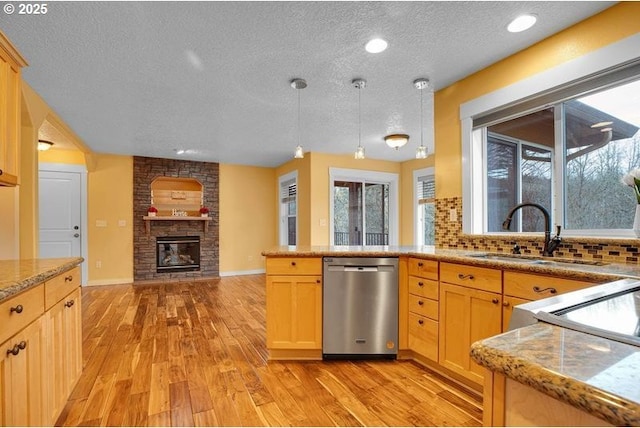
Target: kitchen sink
[[537, 260]]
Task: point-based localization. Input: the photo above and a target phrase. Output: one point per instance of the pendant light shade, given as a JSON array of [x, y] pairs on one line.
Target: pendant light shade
[[298, 84], [395, 141], [421, 84], [359, 84]]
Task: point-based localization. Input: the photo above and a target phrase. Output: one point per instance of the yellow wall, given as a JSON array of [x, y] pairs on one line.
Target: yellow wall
[[110, 199], [73, 157], [9, 236], [247, 216], [611, 25]]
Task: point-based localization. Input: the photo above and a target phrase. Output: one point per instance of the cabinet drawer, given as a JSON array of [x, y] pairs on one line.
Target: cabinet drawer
[[533, 287], [472, 276], [294, 266], [423, 336], [423, 268], [58, 287], [19, 311], [423, 287], [422, 306]]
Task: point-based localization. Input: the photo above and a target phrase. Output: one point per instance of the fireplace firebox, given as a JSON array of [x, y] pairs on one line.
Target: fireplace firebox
[[178, 253]]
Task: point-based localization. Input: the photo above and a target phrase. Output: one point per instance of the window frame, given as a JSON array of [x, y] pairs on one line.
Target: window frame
[[418, 233], [593, 71], [283, 209], [364, 176], [518, 143]]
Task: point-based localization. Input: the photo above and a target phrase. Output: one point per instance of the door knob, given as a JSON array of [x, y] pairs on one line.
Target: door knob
[[75, 228], [76, 235]]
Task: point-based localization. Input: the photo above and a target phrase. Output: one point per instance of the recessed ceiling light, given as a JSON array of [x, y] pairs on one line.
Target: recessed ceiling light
[[185, 151], [376, 45], [521, 23]]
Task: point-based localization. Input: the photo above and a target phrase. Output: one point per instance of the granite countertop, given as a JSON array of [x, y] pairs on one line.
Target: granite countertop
[[551, 266], [597, 375], [19, 275]]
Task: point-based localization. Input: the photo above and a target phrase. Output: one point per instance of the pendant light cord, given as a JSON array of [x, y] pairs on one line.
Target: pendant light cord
[[421, 120], [359, 118], [298, 117]]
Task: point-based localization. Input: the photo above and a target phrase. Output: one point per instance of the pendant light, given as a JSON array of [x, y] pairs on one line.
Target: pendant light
[[298, 84], [359, 84], [421, 84]]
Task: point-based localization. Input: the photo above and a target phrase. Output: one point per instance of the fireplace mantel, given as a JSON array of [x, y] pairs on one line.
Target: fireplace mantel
[[148, 219]]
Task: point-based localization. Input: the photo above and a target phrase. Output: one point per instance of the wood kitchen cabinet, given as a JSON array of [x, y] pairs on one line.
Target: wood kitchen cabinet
[[294, 307], [64, 350], [470, 310], [423, 307], [22, 380], [41, 353], [10, 85]]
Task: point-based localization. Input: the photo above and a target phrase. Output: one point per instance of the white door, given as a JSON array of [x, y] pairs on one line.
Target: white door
[[60, 201]]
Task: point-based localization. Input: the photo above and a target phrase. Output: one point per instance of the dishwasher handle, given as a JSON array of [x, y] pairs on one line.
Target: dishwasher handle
[[379, 268]]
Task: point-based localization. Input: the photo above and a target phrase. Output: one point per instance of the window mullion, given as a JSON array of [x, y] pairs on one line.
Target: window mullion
[[558, 198]]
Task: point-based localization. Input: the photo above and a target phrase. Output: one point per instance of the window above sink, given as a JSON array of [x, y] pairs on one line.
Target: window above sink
[[565, 148]]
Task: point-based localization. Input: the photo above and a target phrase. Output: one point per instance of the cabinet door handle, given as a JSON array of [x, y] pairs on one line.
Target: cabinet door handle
[[69, 303], [495, 301], [505, 304], [464, 277], [542, 290], [317, 281], [293, 263], [0, 172], [420, 322], [420, 264], [68, 278], [420, 302], [17, 309], [420, 284], [17, 348]]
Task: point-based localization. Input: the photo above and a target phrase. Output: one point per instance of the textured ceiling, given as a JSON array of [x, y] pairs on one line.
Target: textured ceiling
[[149, 78]]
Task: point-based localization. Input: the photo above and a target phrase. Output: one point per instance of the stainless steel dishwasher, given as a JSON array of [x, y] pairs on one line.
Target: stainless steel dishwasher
[[360, 307]]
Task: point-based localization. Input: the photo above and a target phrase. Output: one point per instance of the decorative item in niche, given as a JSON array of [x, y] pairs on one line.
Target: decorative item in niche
[[204, 212], [152, 211], [632, 179]]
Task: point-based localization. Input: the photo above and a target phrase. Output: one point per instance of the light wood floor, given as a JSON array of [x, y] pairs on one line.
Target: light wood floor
[[193, 354]]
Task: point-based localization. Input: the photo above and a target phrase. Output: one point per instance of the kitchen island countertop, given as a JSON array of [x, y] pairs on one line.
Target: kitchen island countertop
[[19, 275], [593, 374]]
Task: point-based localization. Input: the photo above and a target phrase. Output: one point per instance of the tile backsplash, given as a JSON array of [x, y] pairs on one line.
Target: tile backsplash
[[449, 235]]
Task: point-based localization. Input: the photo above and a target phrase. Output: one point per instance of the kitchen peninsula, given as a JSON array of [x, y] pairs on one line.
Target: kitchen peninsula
[[40, 339], [451, 299]]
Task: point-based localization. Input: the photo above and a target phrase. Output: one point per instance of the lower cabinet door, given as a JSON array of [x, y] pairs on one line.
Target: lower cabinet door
[[466, 316], [294, 312], [64, 347], [22, 392]]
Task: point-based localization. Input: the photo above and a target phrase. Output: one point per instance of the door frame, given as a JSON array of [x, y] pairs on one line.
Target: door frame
[[84, 242], [342, 174]]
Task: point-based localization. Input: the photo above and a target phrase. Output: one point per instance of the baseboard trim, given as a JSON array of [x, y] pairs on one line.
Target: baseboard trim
[[117, 281], [242, 272]]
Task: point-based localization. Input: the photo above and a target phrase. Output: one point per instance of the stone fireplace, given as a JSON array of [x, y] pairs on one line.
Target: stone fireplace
[[164, 247]]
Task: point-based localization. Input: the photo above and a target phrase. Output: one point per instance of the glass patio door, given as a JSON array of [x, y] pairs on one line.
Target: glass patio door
[[360, 213]]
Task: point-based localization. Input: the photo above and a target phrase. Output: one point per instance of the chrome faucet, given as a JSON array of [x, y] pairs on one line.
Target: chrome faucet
[[550, 244]]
